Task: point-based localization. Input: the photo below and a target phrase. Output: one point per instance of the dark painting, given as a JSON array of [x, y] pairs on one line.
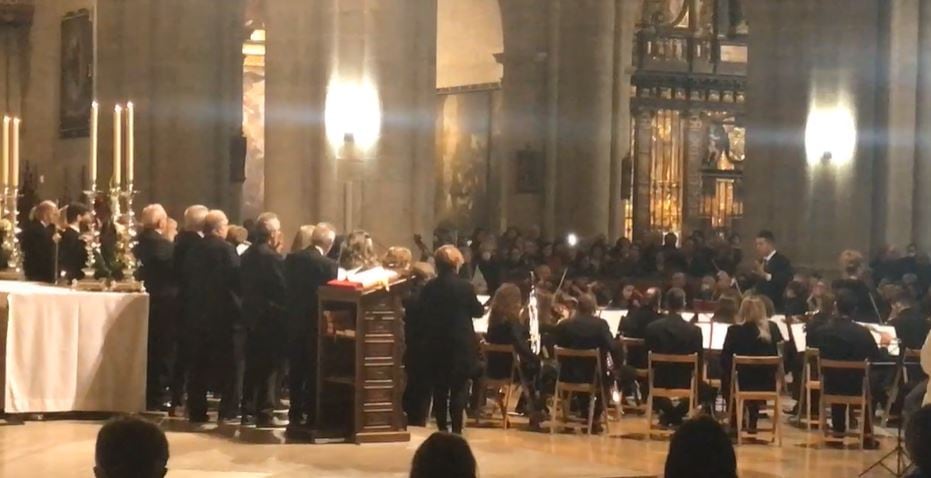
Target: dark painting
[[77, 74]]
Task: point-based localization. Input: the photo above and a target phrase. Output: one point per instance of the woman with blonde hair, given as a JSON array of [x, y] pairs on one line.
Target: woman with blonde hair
[[753, 335], [303, 238]]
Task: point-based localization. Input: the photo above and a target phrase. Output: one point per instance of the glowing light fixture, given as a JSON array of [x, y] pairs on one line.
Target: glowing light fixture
[[572, 240], [830, 134], [352, 116]]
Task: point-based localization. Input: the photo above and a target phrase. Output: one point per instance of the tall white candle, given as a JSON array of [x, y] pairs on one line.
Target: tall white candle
[[5, 169], [92, 161], [117, 143], [130, 142], [14, 169]]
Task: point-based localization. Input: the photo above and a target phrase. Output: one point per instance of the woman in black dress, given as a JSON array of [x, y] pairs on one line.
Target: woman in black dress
[[452, 349], [753, 335], [851, 266]]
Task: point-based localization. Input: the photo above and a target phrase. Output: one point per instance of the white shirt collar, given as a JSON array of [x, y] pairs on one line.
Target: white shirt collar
[[74, 228], [770, 256], [320, 250]]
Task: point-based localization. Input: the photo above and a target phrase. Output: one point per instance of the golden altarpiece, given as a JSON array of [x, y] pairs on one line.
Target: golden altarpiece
[[687, 106]]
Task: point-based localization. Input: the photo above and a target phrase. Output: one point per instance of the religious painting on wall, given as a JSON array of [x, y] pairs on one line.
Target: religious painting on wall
[[77, 74], [529, 171], [463, 138]]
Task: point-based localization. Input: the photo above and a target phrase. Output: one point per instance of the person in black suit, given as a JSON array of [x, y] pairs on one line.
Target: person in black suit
[[753, 335], [155, 254], [673, 335], [844, 339], [38, 243], [451, 304], [306, 270], [585, 331], [190, 236], [774, 271], [417, 391], [72, 250], [264, 298], [911, 326], [214, 327], [634, 326]]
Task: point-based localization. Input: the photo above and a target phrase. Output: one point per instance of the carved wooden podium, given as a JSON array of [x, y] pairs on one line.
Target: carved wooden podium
[[359, 376]]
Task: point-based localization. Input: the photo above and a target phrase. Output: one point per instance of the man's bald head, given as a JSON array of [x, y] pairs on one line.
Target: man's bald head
[[194, 218], [216, 223]]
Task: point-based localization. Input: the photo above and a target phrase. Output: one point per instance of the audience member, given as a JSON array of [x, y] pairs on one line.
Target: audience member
[[700, 448], [444, 455], [130, 448], [918, 442]]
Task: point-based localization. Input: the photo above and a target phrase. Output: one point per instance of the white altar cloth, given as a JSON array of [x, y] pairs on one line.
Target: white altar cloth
[[69, 350]]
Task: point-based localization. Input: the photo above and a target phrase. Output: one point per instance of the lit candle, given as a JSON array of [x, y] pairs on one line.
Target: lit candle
[[5, 176], [92, 161], [117, 144], [14, 169], [130, 141]]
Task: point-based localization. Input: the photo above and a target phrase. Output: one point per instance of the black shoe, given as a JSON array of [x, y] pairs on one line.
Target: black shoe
[[198, 419], [247, 421], [271, 422], [871, 444], [228, 420]]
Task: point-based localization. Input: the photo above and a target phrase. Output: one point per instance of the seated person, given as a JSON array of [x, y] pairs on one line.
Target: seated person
[[446, 455], [918, 442], [130, 448], [673, 335], [753, 335], [585, 331], [700, 448], [725, 311], [634, 326], [911, 326], [679, 281], [844, 339]]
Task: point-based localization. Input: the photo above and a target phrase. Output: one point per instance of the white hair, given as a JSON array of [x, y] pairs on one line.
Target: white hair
[[194, 217]]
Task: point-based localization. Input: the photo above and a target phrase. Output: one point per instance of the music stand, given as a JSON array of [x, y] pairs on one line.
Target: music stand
[[902, 461]]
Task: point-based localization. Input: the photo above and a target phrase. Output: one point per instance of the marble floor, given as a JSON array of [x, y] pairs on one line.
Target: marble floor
[[64, 448]]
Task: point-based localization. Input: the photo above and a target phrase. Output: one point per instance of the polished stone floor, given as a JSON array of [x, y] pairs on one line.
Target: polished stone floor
[[64, 448]]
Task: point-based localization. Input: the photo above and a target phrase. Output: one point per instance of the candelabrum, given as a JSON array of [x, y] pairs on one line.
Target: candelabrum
[[126, 239], [91, 249], [11, 228]]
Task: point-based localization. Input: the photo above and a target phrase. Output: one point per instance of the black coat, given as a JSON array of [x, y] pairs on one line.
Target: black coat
[[264, 292], [744, 340], [584, 332], [912, 327], [843, 339], [38, 251], [72, 254], [185, 241], [634, 326], [449, 305], [672, 335], [513, 333], [780, 269], [864, 312], [212, 297], [305, 272], [155, 254]]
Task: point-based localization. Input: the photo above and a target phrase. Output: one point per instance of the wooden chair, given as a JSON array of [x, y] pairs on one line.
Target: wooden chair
[[500, 386], [912, 357], [712, 356], [640, 374], [811, 381], [564, 391], [740, 397], [690, 393], [861, 400]]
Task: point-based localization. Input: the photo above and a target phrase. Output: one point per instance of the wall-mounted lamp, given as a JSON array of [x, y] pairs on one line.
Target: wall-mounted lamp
[[352, 117], [830, 135]]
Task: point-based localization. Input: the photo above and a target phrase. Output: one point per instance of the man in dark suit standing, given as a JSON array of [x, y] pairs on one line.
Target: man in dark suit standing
[[39, 245], [155, 254], [585, 331], [305, 272], [673, 335], [773, 271], [189, 237], [844, 339], [72, 250], [214, 328], [264, 299]]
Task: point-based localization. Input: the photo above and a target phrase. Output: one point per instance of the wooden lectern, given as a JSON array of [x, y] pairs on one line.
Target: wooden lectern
[[359, 376]]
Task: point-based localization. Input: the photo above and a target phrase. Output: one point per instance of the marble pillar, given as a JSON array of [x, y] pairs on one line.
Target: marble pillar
[[922, 202], [626, 13], [586, 78]]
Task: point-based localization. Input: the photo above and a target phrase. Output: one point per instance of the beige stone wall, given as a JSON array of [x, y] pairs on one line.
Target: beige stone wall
[[57, 160], [468, 35]]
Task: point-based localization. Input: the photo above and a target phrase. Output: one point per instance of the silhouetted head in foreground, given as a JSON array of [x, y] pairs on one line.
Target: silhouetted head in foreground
[[130, 448], [444, 455], [700, 448]]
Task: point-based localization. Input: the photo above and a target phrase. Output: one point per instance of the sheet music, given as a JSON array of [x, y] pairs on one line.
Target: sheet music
[[705, 317], [780, 321], [800, 337], [481, 325], [613, 317], [705, 334], [483, 298], [718, 334], [877, 330]]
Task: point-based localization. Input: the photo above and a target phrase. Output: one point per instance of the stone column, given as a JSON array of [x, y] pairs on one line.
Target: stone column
[[694, 154], [922, 203], [585, 105], [626, 13], [643, 163]]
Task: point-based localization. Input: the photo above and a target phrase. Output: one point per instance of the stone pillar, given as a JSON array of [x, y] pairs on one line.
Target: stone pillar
[[643, 162], [585, 105], [300, 175], [626, 13], [922, 203], [552, 119], [694, 154]]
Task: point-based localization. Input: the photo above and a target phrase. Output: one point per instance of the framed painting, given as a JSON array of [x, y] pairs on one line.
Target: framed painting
[[529, 171], [77, 74]]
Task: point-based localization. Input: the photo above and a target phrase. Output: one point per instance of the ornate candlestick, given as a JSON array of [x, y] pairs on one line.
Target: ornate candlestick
[[14, 270], [92, 249], [126, 240]]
